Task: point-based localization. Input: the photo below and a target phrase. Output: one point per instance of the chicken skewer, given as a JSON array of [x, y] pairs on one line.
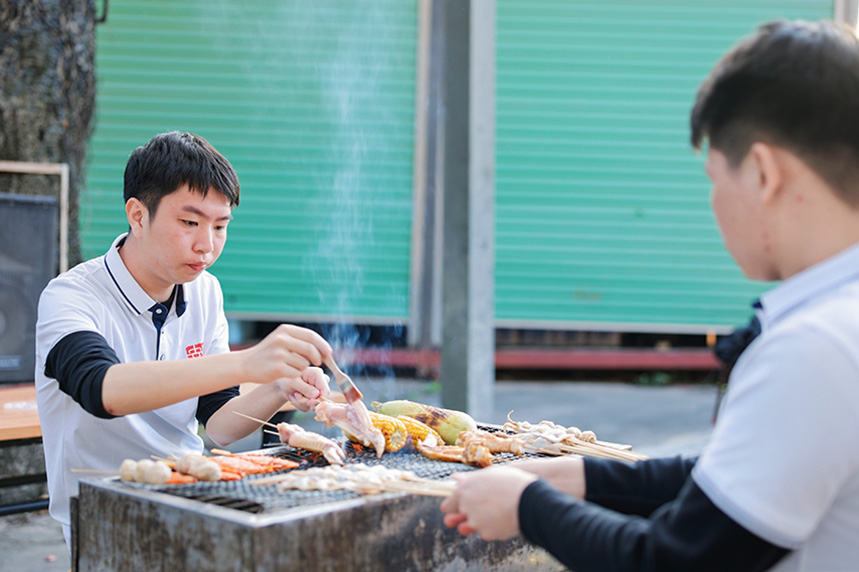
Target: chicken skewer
[[296, 436], [474, 453]]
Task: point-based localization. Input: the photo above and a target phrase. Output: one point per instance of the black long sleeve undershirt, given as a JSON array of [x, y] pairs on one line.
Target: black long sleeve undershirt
[[79, 363], [636, 488], [687, 532]]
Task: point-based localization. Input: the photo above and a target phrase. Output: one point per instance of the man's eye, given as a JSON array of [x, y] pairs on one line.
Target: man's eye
[[189, 223]]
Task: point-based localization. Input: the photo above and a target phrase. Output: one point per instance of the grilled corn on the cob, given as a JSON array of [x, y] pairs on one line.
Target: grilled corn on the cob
[[393, 429], [419, 431], [448, 422]]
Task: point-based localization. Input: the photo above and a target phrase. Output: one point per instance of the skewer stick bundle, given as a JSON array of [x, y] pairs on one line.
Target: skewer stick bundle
[[549, 438]]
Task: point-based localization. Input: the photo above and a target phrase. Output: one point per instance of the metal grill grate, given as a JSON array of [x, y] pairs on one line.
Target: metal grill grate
[[244, 496]]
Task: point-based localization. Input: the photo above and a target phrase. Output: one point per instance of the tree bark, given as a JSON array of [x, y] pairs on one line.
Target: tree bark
[[47, 95]]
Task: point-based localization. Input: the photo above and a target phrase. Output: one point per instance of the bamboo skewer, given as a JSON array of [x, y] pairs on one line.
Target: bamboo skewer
[[598, 450], [425, 488], [592, 451], [611, 445], [595, 452], [171, 461], [266, 423], [273, 480]]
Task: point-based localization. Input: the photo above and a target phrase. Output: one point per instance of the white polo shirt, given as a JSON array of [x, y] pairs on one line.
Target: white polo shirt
[[784, 457], [101, 296]]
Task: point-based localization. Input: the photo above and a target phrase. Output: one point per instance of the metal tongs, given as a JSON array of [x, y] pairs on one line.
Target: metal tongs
[[344, 382]]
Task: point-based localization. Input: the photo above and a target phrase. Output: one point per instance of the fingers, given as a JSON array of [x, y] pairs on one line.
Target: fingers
[[315, 377], [306, 390], [455, 519], [305, 342], [300, 402], [304, 399], [288, 352], [486, 502], [459, 521]]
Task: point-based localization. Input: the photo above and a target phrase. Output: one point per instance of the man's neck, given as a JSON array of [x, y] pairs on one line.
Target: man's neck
[[818, 236], [136, 264]]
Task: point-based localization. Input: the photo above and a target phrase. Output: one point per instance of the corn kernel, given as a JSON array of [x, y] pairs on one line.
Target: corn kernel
[[419, 431], [394, 430]]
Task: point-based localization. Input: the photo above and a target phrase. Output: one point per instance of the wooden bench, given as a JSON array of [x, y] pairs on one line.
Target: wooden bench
[[22, 461], [19, 418]]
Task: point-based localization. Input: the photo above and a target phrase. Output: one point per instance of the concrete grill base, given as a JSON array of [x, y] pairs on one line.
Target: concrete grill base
[[122, 528]]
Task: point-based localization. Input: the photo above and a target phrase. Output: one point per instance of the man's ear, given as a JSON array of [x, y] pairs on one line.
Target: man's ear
[[136, 213], [768, 170]]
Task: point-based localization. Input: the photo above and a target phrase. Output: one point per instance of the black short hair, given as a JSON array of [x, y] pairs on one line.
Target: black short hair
[[170, 160], [794, 84]]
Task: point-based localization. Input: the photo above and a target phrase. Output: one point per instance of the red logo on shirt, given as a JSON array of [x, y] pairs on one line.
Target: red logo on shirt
[[195, 350]]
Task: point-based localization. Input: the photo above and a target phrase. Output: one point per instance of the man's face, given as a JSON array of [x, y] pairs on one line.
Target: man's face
[[186, 236], [736, 202]]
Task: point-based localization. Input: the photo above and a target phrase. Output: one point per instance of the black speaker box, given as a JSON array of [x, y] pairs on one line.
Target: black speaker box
[[28, 260]]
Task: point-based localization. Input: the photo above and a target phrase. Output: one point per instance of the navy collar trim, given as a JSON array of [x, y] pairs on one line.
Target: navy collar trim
[[118, 287], [131, 291], [181, 303]]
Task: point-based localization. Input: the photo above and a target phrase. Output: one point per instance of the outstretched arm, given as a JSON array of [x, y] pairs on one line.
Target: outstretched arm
[[87, 369], [687, 533], [143, 386]]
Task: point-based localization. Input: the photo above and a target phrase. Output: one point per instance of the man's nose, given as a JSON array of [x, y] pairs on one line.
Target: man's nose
[[204, 240]]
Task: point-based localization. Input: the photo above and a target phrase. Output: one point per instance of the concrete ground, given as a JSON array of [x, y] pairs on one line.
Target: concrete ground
[[658, 421]]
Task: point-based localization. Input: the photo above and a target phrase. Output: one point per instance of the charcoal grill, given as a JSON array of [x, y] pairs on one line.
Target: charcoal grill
[[238, 526]]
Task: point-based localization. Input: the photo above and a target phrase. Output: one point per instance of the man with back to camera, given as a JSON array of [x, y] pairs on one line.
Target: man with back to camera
[[132, 347], [777, 487]]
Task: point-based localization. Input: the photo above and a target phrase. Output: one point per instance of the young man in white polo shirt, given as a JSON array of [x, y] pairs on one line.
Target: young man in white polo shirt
[[132, 347], [778, 485]]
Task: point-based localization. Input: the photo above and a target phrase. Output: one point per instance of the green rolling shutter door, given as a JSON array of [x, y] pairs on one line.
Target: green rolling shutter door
[[603, 216], [313, 103]]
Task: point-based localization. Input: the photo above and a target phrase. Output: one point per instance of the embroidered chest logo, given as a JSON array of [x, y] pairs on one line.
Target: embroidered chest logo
[[195, 350]]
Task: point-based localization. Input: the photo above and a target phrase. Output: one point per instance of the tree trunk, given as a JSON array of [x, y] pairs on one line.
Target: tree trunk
[[47, 95]]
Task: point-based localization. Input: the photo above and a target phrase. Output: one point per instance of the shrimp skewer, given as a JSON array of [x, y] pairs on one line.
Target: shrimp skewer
[[267, 462]]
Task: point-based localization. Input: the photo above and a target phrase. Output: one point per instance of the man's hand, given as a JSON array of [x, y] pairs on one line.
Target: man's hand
[[305, 391], [286, 353], [487, 502]]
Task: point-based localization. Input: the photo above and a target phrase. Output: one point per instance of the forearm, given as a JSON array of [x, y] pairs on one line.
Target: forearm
[[262, 402], [143, 386], [566, 474]]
